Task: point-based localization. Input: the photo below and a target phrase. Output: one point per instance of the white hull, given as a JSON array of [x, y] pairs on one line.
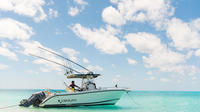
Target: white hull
[[85, 98]]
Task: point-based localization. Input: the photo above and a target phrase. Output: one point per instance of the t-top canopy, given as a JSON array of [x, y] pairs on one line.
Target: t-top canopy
[[83, 76]]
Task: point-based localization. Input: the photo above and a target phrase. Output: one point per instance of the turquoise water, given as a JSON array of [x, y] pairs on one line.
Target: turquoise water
[[136, 101]]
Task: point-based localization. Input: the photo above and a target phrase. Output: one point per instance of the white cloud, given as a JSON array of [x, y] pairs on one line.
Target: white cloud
[[112, 16], [50, 65], [51, 2], [30, 8], [194, 78], [197, 52], [149, 73], [73, 11], [45, 69], [192, 70], [4, 51], [53, 13], [7, 53], [196, 24], [155, 12], [116, 78], [150, 78], [164, 80], [131, 61], [184, 35], [71, 53], [13, 29], [190, 54], [113, 65], [94, 68], [114, 1], [5, 44], [144, 42], [81, 2], [3, 66], [32, 72], [25, 60], [32, 47], [159, 56], [85, 60], [103, 39], [165, 60]]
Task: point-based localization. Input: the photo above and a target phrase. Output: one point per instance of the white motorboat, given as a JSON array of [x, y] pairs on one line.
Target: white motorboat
[[84, 98], [87, 95]]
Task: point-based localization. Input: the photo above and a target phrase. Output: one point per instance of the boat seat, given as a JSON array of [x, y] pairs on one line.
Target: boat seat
[[69, 90]]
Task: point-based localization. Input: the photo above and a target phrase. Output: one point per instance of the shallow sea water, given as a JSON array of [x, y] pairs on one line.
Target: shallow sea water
[[136, 101]]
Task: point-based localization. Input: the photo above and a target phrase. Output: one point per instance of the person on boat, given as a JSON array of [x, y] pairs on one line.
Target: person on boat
[[73, 85]]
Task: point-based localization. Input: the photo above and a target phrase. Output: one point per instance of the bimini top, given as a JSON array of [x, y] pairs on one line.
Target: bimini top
[[83, 76]]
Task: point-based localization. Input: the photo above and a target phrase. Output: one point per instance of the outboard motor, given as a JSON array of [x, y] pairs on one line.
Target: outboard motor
[[34, 100]]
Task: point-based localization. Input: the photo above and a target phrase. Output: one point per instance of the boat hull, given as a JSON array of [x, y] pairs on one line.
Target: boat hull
[[86, 98]]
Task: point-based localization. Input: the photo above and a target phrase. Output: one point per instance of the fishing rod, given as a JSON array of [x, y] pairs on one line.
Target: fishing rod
[[65, 58], [55, 63]]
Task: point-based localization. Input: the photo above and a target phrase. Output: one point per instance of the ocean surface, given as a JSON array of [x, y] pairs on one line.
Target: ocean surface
[[135, 101]]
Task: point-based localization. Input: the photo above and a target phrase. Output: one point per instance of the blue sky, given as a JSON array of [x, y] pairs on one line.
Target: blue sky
[[139, 44]]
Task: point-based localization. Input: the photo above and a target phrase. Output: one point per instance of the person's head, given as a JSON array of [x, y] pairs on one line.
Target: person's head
[[72, 82]]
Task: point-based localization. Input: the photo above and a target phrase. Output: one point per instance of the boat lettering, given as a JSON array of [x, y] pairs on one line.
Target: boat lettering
[[67, 100]]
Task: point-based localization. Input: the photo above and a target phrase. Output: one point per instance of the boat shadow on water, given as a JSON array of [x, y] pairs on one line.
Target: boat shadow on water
[[109, 108]]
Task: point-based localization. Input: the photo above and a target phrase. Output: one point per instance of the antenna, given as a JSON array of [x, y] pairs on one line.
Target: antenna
[[65, 58], [55, 63]]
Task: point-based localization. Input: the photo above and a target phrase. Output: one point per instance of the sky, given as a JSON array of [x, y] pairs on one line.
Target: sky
[[139, 44]]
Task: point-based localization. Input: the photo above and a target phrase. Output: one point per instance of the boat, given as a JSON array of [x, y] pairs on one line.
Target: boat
[[87, 95]]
